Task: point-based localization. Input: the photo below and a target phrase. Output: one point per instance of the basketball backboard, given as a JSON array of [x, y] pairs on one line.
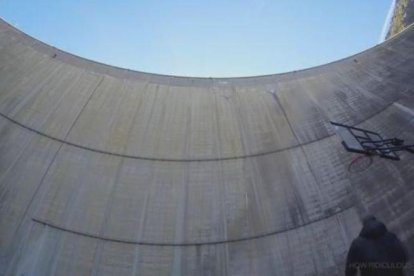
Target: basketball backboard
[[366, 142]]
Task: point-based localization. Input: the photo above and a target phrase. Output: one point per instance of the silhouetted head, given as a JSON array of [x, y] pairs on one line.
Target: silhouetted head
[[368, 218], [372, 228]]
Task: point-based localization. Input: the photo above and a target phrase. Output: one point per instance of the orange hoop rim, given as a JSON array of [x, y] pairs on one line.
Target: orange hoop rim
[[353, 167]]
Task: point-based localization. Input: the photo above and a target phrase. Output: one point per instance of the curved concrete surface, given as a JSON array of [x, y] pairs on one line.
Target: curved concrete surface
[[107, 171]]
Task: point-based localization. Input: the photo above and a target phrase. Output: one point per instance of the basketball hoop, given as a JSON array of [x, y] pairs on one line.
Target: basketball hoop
[[368, 144], [360, 163]]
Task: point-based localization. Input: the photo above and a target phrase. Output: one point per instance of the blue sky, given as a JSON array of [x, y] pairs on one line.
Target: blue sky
[[204, 38]]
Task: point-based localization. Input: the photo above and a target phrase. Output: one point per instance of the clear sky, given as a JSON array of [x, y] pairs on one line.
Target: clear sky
[[203, 38]]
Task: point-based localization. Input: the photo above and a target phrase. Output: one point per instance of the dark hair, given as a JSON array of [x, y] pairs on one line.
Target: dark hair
[[368, 218]]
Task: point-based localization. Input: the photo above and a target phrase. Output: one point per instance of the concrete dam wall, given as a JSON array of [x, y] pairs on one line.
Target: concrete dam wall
[[107, 171]]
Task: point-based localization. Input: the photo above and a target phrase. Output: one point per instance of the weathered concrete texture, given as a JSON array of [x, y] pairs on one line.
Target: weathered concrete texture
[[107, 171]]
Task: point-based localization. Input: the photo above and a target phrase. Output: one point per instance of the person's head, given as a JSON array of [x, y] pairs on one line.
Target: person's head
[[368, 219], [372, 227]]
